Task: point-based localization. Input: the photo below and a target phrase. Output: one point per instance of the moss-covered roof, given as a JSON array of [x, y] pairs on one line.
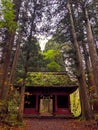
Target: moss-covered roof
[[48, 79]]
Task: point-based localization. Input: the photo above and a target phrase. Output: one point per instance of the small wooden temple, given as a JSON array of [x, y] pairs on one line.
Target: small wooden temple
[[54, 98], [57, 99]]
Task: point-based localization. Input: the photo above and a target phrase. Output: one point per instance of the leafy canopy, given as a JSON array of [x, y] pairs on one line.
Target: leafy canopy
[[7, 15], [51, 54]]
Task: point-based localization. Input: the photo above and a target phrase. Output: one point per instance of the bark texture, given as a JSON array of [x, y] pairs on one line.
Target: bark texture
[[16, 57], [85, 105], [92, 48], [4, 88], [21, 106]]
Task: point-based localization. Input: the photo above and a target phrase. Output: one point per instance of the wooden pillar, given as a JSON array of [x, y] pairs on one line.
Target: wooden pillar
[[55, 103], [69, 105], [50, 105], [37, 104]]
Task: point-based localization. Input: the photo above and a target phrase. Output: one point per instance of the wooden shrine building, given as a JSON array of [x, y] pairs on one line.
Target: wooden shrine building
[[56, 99], [49, 92]]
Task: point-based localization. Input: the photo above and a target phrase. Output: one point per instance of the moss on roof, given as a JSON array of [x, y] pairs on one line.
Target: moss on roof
[[47, 79]]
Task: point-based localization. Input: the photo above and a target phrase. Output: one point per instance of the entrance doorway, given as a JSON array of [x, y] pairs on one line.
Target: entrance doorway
[[46, 105]]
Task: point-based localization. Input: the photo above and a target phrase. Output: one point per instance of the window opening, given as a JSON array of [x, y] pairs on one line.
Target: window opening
[[30, 101], [62, 101]]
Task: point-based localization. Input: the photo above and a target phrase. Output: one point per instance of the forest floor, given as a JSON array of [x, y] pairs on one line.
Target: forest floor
[[55, 124], [59, 124]]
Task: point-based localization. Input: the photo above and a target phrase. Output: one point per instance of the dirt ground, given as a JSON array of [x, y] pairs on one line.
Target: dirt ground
[[54, 124], [59, 124]]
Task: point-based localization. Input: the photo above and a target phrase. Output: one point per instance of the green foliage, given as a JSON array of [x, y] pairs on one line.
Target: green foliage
[[52, 45], [7, 15], [96, 117], [30, 57], [53, 59], [53, 66], [46, 79], [9, 108], [54, 55], [75, 103], [51, 54]]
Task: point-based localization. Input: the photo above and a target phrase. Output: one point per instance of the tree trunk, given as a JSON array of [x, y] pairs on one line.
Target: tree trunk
[[92, 48], [90, 76], [85, 105], [16, 57], [7, 56], [21, 106], [91, 81], [4, 84]]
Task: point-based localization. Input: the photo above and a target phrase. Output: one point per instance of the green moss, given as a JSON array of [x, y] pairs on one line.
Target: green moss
[[96, 117], [47, 79], [75, 103]]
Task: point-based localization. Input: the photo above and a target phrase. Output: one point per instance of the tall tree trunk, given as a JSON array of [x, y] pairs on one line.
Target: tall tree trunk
[[92, 48], [4, 84], [85, 105], [16, 57], [7, 56], [21, 106], [22, 97], [90, 76]]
